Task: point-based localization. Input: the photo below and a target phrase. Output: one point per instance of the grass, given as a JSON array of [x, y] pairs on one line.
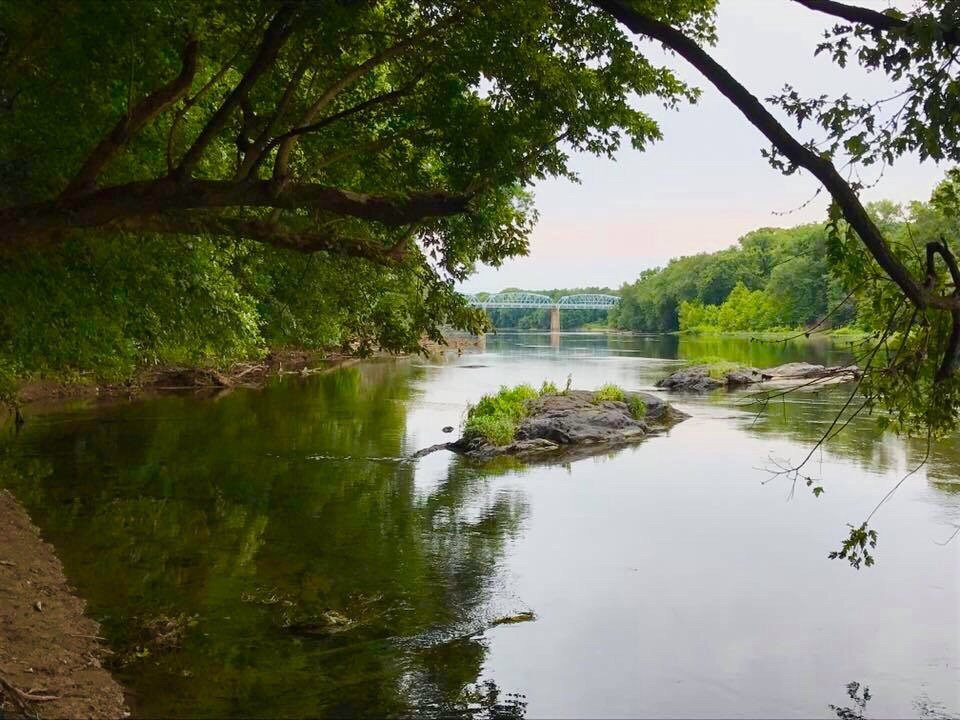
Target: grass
[[638, 408], [609, 392], [496, 417], [548, 388], [717, 367]]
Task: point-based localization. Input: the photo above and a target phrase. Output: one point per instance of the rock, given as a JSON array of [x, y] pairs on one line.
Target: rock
[[574, 420], [329, 622], [520, 617], [448, 429], [698, 378], [432, 449]]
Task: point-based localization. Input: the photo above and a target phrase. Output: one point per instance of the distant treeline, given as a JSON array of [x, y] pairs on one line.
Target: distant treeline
[[539, 319], [773, 279]]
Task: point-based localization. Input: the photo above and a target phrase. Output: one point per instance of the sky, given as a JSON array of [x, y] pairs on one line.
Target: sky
[[705, 184]]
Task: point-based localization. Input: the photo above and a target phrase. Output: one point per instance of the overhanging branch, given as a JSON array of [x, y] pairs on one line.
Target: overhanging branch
[[866, 16], [42, 221], [760, 117], [128, 126], [855, 14], [275, 36]]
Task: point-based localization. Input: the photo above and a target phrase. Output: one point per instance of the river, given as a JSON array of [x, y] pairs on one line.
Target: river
[[666, 579]]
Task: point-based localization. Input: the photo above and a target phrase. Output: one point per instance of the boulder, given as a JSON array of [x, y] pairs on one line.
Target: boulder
[[698, 378], [574, 420]]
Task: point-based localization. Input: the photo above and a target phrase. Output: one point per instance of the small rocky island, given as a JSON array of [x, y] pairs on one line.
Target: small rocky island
[[703, 377], [523, 422]]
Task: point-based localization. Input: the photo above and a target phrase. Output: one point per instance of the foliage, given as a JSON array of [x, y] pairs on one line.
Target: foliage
[[743, 309], [549, 388], [856, 548], [773, 278], [609, 392], [411, 104], [918, 55], [495, 417], [638, 408], [904, 352]]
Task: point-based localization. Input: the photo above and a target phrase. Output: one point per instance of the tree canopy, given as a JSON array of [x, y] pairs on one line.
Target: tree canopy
[[395, 141]]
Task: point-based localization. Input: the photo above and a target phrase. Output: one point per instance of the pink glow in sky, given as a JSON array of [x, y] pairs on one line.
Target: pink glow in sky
[[705, 184]]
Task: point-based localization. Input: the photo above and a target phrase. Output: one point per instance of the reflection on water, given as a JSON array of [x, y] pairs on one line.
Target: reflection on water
[[665, 579]]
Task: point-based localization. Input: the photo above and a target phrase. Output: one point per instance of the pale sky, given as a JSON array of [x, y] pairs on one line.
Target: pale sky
[[705, 184]]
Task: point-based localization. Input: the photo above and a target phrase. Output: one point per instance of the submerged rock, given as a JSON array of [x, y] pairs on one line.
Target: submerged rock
[[328, 622], [700, 378], [576, 420]]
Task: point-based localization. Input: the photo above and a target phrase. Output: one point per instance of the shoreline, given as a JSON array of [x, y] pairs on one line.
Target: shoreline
[[50, 650], [35, 392]]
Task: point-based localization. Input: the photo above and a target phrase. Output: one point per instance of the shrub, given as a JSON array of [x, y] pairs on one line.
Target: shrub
[[496, 429], [638, 408], [495, 417], [609, 392], [548, 388]]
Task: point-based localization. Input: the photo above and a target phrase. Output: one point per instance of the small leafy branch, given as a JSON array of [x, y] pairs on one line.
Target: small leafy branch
[[856, 548]]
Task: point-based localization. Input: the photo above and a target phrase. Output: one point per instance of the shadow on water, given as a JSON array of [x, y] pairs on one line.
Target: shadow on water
[[215, 513]]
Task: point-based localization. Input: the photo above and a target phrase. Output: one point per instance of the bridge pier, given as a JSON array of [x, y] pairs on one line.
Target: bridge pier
[[554, 319]]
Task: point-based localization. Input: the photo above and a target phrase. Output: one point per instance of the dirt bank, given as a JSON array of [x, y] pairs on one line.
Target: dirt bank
[[49, 650]]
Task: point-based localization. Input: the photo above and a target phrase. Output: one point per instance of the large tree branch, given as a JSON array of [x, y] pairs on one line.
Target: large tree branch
[[254, 153], [865, 16], [855, 14], [285, 148], [793, 150], [305, 241], [951, 355], [128, 126], [46, 220], [275, 36]]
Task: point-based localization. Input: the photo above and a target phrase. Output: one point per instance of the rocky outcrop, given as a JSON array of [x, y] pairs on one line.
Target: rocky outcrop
[[700, 378], [576, 421]]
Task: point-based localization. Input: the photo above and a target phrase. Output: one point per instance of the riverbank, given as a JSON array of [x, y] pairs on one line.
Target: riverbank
[[251, 374], [50, 652]]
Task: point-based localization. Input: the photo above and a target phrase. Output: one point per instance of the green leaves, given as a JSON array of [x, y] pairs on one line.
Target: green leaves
[[483, 102], [856, 548], [917, 116]]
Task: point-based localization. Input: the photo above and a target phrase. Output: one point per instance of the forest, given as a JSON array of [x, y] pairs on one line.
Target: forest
[[776, 279]]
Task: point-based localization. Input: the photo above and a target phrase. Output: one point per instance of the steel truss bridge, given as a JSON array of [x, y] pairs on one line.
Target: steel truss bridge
[[590, 301], [533, 300]]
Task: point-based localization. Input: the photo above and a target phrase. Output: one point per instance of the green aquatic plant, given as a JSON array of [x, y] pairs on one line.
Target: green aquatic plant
[[496, 417]]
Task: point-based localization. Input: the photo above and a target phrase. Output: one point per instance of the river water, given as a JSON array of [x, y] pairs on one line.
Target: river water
[[666, 579]]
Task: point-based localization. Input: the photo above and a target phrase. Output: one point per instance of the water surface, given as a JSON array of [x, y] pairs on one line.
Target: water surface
[[666, 579]]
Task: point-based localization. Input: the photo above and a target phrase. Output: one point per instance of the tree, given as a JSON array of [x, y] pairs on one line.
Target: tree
[[919, 50], [399, 135]]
